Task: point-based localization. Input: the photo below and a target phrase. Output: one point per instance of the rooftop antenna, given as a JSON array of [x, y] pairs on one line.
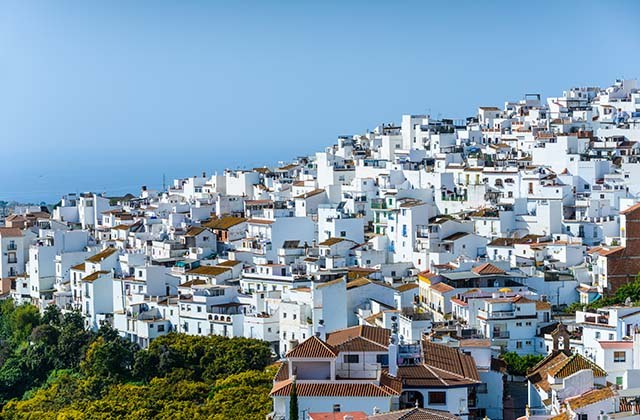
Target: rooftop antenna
[[164, 183]]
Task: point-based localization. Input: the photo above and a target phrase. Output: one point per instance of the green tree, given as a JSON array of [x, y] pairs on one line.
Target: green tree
[[72, 342], [293, 402], [519, 365], [24, 318]]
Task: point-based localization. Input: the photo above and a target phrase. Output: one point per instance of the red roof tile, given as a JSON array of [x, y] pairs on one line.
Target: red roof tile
[[313, 347], [487, 269]]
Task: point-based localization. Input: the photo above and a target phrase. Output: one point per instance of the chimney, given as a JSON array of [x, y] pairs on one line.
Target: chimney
[[320, 331], [393, 348]]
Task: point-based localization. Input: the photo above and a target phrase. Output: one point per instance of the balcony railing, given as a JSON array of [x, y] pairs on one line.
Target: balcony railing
[[496, 314], [12, 247], [500, 334]]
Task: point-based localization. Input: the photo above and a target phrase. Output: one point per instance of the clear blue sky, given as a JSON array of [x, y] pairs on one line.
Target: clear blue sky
[[109, 95]]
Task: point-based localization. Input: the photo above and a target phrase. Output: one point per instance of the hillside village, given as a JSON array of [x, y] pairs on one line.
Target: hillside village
[[389, 272]]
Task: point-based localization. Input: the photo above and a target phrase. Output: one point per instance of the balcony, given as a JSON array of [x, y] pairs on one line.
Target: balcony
[[500, 334], [12, 247], [378, 204], [496, 314]]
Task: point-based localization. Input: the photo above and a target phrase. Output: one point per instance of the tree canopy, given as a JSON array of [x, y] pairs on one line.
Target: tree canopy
[[51, 367]]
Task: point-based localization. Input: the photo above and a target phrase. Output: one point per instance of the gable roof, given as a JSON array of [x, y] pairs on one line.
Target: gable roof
[[207, 270], [224, 223], [333, 241], [194, 231], [487, 269], [335, 389], [94, 276], [589, 397], [415, 414], [7, 232], [101, 255], [559, 365], [360, 338], [310, 193], [313, 347], [450, 359]]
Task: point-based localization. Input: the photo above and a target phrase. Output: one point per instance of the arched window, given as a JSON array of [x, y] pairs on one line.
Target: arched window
[[408, 399]]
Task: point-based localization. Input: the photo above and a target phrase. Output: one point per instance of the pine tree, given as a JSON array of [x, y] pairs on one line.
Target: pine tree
[[293, 403]]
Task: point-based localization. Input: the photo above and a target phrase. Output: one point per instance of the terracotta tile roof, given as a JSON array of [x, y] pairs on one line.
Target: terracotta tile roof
[[339, 415], [332, 241], [562, 416], [528, 239], [207, 270], [260, 221], [313, 347], [475, 342], [332, 389], [79, 267], [442, 287], [7, 232], [229, 263], [450, 359], [94, 276], [588, 398], [407, 286], [224, 223], [415, 414], [101, 255], [361, 337], [362, 281], [310, 193], [609, 251], [487, 269], [631, 209], [558, 364], [542, 306], [424, 376], [455, 236], [329, 283], [194, 231], [616, 344], [282, 373], [573, 364]]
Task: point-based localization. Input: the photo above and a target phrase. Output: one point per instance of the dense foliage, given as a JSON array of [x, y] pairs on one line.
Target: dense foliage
[[518, 365], [630, 291], [51, 367]]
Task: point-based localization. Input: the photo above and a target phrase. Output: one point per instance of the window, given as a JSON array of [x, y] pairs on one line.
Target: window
[[518, 344], [518, 324], [295, 316], [160, 328], [351, 358], [597, 335], [383, 359], [619, 356], [343, 233], [482, 389], [611, 337], [437, 398]]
